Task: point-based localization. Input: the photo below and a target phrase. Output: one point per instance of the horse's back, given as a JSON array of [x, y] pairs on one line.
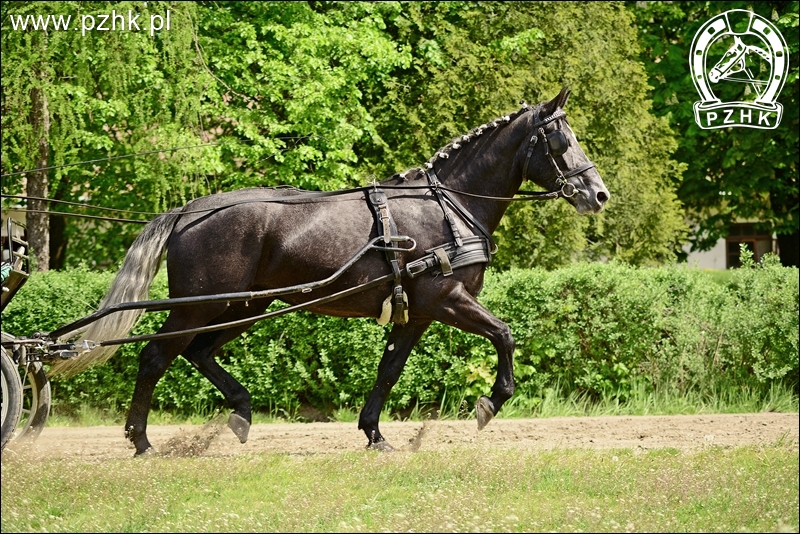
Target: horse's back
[[243, 239]]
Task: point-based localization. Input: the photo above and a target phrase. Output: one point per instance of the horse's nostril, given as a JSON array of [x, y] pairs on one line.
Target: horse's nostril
[[602, 197]]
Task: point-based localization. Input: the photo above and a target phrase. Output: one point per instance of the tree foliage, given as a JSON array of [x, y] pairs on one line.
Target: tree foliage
[[110, 94], [474, 62], [293, 82], [322, 95]]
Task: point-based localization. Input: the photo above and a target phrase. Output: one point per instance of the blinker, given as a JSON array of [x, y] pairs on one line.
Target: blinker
[[558, 143]]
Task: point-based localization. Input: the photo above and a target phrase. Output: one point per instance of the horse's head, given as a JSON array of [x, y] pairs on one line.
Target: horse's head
[[558, 161], [730, 62]]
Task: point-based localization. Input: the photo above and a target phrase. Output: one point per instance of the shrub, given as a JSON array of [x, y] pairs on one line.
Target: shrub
[[588, 329]]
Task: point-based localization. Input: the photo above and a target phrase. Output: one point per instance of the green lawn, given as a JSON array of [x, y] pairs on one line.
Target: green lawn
[[466, 489]]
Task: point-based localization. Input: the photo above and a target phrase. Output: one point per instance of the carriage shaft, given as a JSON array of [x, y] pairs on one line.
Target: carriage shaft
[[252, 320]]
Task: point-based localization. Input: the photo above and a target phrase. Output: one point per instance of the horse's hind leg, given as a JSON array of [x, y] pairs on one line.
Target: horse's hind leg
[[402, 340], [200, 353], [154, 360]]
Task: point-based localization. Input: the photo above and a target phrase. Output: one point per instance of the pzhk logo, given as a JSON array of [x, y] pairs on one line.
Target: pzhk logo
[[755, 54]]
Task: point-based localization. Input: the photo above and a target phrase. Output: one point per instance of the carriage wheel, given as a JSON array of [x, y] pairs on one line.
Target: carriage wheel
[[35, 401], [35, 397], [12, 397]]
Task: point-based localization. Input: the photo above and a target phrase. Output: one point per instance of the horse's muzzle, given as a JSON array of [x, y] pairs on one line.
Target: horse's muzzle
[[590, 200]]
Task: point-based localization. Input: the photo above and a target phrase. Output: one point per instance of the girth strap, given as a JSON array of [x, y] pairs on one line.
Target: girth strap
[[398, 300]]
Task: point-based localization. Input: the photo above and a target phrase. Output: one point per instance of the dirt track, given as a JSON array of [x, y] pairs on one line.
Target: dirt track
[[685, 432]]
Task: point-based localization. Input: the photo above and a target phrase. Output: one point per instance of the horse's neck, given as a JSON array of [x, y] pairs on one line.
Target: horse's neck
[[761, 52], [488, 165]]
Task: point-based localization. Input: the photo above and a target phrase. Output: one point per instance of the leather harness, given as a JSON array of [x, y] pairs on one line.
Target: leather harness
[[387, 229], [555, 144], [438, 260], [463, 251]]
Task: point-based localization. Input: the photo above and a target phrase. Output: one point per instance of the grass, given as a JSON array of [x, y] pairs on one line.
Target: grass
[[469, 489], [554, 403], [644, 401]]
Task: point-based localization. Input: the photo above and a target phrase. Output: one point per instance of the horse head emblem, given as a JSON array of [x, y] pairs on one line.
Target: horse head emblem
[[735, 61], [757, 56]]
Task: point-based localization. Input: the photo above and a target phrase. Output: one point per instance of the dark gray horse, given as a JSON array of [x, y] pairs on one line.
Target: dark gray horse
[[257, 239]]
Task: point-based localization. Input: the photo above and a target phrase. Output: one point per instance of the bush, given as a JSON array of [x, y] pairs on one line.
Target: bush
[[590, 329]]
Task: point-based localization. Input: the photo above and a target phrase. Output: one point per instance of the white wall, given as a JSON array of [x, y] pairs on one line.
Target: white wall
[[708, 259]]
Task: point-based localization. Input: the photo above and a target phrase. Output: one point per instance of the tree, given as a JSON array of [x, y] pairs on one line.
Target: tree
[[734, 173], [293, 79], [276, 85], [323, 95], [104, 93], [473, 62]]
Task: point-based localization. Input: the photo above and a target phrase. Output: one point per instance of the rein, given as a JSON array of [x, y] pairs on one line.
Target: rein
[[555, 144], [307, 195]]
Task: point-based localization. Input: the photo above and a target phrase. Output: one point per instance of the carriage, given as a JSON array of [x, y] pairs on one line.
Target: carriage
[[409, 250], [26, 390]]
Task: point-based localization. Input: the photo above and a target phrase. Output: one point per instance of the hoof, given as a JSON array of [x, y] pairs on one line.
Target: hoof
[[382, 446], [240, 426], [147, 453], [484, 409]]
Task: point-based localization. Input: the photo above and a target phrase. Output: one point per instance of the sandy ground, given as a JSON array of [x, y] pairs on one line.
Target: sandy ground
[[685, 432]]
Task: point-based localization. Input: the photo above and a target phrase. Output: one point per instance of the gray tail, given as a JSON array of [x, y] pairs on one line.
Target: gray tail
[[132, 284]]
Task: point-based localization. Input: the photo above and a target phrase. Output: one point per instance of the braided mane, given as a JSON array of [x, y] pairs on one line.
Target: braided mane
[[457, 142]]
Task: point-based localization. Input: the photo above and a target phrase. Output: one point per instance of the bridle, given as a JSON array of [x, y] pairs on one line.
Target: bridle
[[555, 144]]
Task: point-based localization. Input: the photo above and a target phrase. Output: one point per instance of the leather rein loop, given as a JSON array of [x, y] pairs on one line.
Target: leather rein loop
[[567, 189]]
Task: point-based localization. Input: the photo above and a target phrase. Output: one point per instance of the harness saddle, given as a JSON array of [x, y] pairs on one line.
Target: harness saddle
[[438, 260]]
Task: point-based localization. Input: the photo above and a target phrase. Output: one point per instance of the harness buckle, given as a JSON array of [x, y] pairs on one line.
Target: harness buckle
[[400, 308], [416, 267]]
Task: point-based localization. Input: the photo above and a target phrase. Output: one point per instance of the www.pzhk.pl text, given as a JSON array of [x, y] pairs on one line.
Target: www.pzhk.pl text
[[99, 22]]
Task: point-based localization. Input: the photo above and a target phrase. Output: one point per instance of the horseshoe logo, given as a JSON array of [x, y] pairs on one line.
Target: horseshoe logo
[[764, 112]]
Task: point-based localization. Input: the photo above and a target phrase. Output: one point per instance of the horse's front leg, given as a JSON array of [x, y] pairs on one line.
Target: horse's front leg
[[402, 340], [461, 310]]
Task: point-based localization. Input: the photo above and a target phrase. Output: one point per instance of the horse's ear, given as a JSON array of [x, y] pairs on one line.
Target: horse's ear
[[558, 102], [563, 97]]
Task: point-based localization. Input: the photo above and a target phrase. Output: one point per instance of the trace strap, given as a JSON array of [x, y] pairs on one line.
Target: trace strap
[[433, 180], [445, 198]]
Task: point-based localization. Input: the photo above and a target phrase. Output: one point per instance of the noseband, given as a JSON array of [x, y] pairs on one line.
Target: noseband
[[555, 144]]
